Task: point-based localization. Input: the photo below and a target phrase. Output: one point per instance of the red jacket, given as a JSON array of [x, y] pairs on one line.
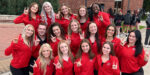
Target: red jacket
[[116, 44], [67, 67], [35, 50], [87, 67], [65, 22], [128, 62], [25, 19], [84, 25], [21, 53], [54, 46], [94, 47], [49, 68], [49, 22], [75, 42], [106, 68], [102, 25]]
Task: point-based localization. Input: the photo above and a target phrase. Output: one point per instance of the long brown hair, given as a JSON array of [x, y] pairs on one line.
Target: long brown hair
[[34, 3], [90, 53], [43, 62], [114, 31], [69, 27], [60, 54], [111, 48], [50, 31]]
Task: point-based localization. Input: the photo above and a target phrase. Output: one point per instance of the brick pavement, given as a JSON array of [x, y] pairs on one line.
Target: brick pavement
[[8, 31]]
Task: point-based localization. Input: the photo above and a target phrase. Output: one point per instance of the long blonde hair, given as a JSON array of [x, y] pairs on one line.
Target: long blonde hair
[[31, 39], [69, 27], [60, 54], [52, 15], [43, 63], [61, 14]]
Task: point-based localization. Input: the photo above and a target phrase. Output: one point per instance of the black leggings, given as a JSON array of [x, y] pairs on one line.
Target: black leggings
[[20, 71], [139, 72], [147, 37]]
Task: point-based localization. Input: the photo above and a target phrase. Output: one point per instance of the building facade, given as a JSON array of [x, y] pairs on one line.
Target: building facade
[[106, 4]]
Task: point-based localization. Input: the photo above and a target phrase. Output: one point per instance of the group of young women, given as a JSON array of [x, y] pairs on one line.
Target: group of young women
[[73, 44]]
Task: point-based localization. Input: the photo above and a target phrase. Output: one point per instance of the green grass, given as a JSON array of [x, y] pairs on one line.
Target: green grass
[[141, 27]]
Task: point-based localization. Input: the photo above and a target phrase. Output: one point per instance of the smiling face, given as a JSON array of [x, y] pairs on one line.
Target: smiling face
[[64, 10], [85, 47], [132, 38], [110, 31], [34, 8], [41, 30], [74, 26], [47, 8], [95, 8], [46, 52], [106, 49], [29, 31], [64, 48], [56, 31], [93, 28], [82, 12]]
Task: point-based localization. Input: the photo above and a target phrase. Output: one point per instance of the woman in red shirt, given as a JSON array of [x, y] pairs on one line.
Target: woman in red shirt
[[55, 34], [100, 18], [47, 14], [93, 36], [110, 35], [64, 61], [75, 35], [20, 49], [30, 16], [85, 59], [65, 16], [83, 18], [107, 63], [44, 64], [132, 55]]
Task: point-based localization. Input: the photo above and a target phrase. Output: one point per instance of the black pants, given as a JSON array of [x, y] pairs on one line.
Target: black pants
[[147, 37], [21, 71], [32, 59], [139, 72]]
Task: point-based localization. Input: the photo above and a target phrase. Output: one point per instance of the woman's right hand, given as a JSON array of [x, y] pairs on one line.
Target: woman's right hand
[[58, 65], [53, 38], [15, 40], [78, 63]]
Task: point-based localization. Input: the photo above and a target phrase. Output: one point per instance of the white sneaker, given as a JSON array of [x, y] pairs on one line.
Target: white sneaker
[[146, 46]]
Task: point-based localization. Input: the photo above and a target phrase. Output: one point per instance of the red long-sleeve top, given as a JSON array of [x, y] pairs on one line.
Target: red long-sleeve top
[[35, 50], [49, 69], [116, 44], [25, 19], [102, 25], [21, 53], [84, 25], [128, 62], [75, 43], [87, 67], [54, 46], [67, 68], [94, 47], [106, 68], [65, 22]]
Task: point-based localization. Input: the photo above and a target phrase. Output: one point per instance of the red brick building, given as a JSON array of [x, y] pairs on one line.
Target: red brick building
[[123, 4]]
